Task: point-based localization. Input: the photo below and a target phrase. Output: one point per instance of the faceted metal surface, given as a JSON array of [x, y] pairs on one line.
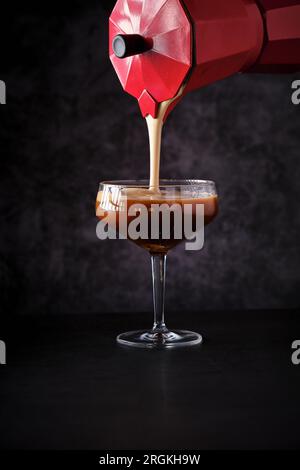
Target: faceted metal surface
[[157, 75]]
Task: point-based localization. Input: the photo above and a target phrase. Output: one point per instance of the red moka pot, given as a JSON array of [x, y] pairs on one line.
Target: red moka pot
[[156, 46]]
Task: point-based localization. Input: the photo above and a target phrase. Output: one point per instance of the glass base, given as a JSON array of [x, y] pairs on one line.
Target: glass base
[[159, 339]]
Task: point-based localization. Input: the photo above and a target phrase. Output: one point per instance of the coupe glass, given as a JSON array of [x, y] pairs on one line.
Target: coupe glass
[[110, 206]]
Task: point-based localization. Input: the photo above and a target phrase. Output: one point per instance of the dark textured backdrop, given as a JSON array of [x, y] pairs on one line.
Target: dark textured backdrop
[[67, 125]]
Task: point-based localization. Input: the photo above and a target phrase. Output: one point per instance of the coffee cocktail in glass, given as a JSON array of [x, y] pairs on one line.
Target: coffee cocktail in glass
[[162, 216]]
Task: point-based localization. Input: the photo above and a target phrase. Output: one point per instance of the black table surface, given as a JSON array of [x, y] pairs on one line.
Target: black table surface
[[68, 385]]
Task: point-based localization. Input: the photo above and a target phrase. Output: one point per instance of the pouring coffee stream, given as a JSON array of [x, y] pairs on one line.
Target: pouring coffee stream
[[155, 128]]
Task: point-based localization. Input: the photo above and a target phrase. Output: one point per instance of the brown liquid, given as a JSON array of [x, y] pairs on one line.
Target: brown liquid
[[160, 245]]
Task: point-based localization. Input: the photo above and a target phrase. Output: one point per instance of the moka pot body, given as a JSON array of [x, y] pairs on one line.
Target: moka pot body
[[158, 46]]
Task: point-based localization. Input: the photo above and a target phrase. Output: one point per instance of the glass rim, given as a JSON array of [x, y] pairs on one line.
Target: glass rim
[[184, 183]]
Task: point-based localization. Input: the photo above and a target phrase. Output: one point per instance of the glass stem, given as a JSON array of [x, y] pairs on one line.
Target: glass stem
[[158, 262]]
